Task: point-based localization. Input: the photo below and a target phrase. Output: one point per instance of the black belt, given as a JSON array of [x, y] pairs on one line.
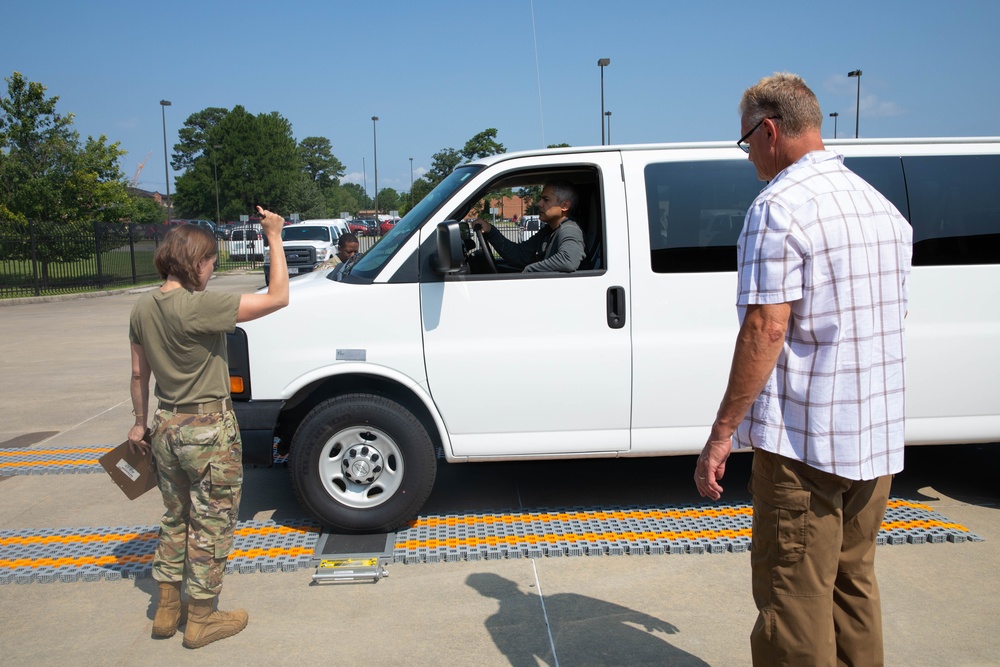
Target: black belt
[[199, 408]]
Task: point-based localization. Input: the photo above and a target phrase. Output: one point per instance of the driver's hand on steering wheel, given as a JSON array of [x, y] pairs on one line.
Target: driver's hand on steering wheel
[[479, 223]]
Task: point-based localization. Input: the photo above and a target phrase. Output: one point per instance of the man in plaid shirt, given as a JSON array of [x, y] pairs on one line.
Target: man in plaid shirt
[[816, 385]]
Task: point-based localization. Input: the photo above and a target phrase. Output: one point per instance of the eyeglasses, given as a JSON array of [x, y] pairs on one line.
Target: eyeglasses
[[743, 143]]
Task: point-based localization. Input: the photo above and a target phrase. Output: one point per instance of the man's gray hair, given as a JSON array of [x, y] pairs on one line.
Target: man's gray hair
[[564, 191], [785, 96]]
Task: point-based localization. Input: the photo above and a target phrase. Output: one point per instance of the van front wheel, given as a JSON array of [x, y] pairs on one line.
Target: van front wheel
[[362, 463]]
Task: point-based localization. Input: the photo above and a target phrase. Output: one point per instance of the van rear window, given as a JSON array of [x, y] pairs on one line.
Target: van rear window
[[696, 209]]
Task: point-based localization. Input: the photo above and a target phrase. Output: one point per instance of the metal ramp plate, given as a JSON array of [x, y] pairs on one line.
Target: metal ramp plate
[[352, 558]]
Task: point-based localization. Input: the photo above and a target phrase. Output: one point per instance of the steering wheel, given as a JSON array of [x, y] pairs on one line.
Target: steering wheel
[[487, 250]]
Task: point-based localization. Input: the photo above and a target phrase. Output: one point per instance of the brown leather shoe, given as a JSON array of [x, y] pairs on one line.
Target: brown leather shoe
[[205, 626], [168, 610]]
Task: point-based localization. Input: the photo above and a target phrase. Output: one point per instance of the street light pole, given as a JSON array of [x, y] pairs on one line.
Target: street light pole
[[215, 167], [857, 110], [607, 114], [411, 182], [834, 117], [602, 63], [166, 172], [375, 146]]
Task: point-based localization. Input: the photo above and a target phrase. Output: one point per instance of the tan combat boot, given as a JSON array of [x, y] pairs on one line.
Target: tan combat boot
[[168, 611], [205, 626]]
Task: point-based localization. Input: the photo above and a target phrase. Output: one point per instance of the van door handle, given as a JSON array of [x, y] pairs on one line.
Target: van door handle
[[616, 307]]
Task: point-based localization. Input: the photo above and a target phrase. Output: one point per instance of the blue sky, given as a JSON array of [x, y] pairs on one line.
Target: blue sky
[[437, 72]]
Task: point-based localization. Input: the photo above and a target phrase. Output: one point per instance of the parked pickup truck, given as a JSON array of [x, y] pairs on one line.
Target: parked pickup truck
[[307, 245], [424, 344]]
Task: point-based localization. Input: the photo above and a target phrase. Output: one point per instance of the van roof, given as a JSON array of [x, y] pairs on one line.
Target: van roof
[[829, 143]]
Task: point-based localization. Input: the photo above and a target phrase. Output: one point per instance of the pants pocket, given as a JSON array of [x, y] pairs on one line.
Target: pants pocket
[[781, 518], [224, 503]]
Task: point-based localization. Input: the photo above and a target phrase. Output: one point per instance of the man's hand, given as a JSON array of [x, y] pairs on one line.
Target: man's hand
[[711, 466], [479, 223]]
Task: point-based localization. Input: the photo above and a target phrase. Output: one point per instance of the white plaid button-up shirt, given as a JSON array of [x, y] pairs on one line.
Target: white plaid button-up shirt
[[821, 239]]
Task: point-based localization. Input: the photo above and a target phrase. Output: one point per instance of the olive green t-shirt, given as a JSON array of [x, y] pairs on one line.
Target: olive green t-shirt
[[183, 334]]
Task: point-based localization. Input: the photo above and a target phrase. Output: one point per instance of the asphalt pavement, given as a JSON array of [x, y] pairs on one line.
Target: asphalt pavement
[[64, 371]]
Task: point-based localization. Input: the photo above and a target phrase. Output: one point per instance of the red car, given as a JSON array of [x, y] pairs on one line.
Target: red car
[[359, 227], [385, 226]]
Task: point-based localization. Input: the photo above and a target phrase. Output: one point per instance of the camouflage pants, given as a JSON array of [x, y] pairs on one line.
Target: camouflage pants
[[199, 460]]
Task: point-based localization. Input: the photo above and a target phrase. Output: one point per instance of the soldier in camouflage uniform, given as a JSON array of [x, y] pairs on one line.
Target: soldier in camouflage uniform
[[178, 335]]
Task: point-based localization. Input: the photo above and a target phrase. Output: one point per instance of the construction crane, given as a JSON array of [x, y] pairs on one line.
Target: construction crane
[[135, 179]]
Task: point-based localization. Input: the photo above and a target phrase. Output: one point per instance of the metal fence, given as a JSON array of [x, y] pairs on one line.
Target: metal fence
[[44, 258]]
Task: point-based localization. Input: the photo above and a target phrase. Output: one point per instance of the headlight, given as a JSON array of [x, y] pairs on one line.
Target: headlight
[[322, 255]]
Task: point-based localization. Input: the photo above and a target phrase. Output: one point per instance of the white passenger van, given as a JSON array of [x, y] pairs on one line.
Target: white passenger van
[[428, 339]]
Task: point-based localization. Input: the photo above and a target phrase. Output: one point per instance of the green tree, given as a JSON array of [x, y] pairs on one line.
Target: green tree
[[145, 211], [197, 137], [356, 192], [482, 145], [442, 164], [49, 179], [319, 163], [388, 200], [258, 164]]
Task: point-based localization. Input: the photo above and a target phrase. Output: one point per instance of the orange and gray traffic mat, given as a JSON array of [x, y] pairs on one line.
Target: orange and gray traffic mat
[[112, 553], [117, 552]]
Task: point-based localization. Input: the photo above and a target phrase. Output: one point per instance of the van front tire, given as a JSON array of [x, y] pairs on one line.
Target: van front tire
[[362, 463]]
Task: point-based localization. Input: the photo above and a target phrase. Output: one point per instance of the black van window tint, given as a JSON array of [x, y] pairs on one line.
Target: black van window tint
[[885, 174], [954, 208], [696, 212]]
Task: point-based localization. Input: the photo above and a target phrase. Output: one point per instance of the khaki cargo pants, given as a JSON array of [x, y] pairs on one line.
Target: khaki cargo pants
[[199, 460], [813, 563]]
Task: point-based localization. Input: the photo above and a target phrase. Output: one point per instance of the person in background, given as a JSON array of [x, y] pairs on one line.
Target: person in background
[[347, 247], [558, 246], [177, 334], [816, 385]]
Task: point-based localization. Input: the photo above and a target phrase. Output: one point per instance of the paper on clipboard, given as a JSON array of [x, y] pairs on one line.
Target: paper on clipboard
[[133, 473]]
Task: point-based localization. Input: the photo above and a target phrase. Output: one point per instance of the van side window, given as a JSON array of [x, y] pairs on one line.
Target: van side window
[[696, 212], [885, 174], [954, 209], [510, 205]]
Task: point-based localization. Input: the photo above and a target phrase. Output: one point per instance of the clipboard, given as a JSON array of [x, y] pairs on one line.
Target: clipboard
[[133, 473]]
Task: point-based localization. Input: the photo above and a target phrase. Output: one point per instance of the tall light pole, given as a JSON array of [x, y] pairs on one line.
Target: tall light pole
[[602, 63], [375, 147], [607, 114], [163, 112], [411, 182], [834, 117], [857, 110], [215, 166]]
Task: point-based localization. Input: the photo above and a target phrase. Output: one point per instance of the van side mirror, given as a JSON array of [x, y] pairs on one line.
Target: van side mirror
[[451, 245]]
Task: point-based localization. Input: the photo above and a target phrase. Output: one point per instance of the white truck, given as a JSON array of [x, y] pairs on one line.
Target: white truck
[[417, 347], [307, 245]]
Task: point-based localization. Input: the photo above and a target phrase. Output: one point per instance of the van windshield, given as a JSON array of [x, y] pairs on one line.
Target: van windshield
[[370, 264]]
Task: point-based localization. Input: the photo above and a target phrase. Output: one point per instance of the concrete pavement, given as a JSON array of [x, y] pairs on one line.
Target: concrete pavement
[[64, 383]]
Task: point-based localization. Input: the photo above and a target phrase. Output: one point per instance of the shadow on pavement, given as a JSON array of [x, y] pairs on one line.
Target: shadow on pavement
[[584, 630]]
